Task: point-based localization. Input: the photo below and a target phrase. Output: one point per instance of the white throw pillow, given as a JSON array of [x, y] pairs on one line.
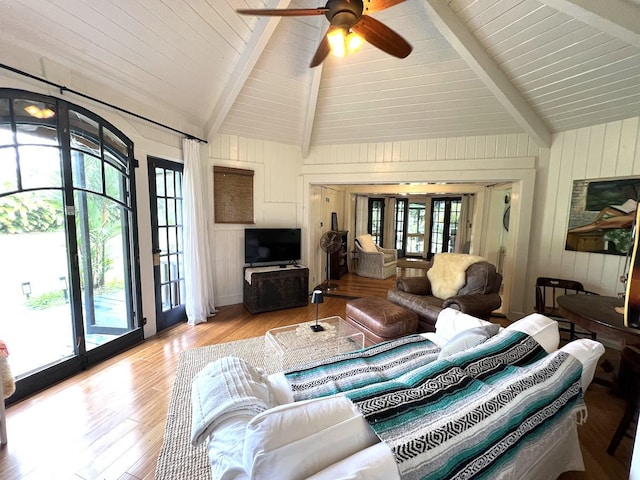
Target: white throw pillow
[[542, 328], [588, 352], [280, 389], [373, 463], [468, 339], [450, 322], [366, 243], [299, 439]]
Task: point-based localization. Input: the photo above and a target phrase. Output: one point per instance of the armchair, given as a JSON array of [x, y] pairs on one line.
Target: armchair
[[374, 261], [463, 282]]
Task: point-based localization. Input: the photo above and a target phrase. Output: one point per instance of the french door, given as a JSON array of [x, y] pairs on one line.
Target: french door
[[375, 220], [70, 283], [445, 215], [400, 227], [165, 191], [415, 229]]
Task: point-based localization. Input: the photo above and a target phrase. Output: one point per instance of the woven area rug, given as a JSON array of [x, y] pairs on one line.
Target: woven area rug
[[177, 458]]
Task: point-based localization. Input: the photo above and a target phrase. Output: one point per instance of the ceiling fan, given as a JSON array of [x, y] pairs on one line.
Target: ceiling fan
[[349, 22]]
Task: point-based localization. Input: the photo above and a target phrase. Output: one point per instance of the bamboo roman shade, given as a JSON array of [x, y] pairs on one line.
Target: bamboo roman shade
[[233, 195]]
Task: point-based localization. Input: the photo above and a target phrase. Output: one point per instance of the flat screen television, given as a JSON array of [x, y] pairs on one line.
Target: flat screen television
[[272, 245]]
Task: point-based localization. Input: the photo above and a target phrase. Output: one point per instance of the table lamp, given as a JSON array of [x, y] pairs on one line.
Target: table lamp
[[317, 297]]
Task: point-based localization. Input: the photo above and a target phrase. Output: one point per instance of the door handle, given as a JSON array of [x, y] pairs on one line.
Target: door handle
[[156, 257]]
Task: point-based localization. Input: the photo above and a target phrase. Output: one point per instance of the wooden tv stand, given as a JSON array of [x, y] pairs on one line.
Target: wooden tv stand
[[275, 288]]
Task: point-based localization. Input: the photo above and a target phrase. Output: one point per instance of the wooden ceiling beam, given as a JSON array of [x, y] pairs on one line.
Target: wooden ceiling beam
[[255, 46], [312, 100], [471, 51], [618, 18]]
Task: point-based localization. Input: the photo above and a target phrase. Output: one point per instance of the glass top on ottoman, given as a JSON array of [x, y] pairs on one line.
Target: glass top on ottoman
[[297, 344]]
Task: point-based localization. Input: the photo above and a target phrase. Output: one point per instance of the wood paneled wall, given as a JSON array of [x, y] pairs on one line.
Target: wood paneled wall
[[277, 203], [607, 150], [603, 151], [461, 148]]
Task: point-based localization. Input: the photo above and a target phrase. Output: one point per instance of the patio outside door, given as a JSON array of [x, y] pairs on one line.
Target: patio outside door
[[165, 191]]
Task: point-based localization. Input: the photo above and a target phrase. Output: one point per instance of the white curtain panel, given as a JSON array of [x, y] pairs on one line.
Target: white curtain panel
[[198, 267], [464, 224], [390, 223], [362, 212]]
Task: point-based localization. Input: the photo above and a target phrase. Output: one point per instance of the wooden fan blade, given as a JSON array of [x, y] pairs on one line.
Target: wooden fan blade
[[371, 6], [284, 12], [381, 36], [323, 49]]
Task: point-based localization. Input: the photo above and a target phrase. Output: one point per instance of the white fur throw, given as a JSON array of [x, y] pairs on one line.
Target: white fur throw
[[448, 273]]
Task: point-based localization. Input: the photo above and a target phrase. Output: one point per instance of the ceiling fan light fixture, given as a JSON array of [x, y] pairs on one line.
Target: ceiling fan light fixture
[[354, 42], [342, 43], [349, 27], [337, 42]]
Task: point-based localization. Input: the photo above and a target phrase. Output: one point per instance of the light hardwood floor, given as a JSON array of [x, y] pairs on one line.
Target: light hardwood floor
[[108, 421]]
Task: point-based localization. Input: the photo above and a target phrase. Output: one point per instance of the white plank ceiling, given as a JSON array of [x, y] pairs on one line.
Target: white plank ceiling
[[478, 67]]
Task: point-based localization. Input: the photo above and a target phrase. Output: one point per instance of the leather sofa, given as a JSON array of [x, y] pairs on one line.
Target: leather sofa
[[478, 297]]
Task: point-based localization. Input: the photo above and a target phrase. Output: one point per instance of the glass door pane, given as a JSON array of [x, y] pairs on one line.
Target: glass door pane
[[67, 229], [415, 229], [445, 215], [165, 189], [37, 320], [375, 223], [437, 226], [102, 254], [401, 225]]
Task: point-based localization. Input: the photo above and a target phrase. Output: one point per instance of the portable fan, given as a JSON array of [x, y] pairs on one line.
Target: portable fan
[[330, 242]]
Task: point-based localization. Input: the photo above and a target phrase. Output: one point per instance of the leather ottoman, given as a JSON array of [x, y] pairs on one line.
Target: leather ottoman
[[381, 320]]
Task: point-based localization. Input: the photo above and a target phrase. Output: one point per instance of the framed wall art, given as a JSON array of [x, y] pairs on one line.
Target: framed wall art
[[602, 215]]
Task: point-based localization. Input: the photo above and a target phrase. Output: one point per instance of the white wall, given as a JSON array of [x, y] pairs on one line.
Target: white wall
[[277, 203], [603, 151]]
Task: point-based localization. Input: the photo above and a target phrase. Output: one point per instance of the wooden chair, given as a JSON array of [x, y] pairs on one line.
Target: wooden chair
[[547, 290]]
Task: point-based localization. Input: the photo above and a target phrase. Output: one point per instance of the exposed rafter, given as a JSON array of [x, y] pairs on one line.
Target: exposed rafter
[[312, 102], [618, 18], [468, 47], [248, 59]]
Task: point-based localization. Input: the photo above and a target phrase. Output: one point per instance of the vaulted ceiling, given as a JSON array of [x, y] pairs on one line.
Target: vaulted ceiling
[[478, 67]]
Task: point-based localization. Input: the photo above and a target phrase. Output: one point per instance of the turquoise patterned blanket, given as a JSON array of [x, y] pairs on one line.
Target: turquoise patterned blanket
[[375, 364], [464, 416]]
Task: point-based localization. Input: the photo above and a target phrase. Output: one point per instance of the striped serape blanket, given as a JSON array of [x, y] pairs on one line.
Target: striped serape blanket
[[464, 416], [463, 419], [375, 364]]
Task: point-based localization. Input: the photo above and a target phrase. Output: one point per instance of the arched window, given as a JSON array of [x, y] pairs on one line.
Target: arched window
[[70, 277]]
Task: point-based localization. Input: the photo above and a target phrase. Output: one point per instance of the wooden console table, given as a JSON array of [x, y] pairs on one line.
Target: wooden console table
[[597, 314]]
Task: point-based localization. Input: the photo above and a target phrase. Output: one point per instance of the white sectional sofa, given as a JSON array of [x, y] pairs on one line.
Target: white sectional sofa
[[255, 429]]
